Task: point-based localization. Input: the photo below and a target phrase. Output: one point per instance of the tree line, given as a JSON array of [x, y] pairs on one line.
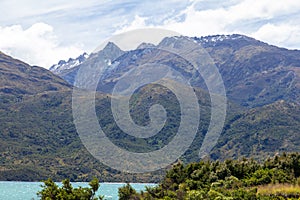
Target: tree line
[[244, 179]]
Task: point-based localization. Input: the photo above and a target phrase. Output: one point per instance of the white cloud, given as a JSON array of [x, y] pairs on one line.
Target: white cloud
[[36, 45], [137, 23], [199, 23], [15, 9], [90, 22], [263, 9], [284, 35], [270, 21], [216, 21]]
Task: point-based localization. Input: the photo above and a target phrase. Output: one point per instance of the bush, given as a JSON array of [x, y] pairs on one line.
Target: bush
[[51, 191], [231, 179], [127, 192]]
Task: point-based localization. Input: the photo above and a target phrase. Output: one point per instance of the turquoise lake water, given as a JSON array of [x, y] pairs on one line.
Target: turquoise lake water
[[10, 190]]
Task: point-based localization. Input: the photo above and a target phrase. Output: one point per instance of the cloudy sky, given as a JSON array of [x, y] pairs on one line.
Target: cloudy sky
[[44, 32]]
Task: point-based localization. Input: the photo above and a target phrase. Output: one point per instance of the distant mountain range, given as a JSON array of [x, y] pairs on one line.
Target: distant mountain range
[[71, 63], [254, 73], [38, 138]]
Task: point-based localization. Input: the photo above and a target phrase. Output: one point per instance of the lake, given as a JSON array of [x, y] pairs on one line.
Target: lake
[[11, 190]]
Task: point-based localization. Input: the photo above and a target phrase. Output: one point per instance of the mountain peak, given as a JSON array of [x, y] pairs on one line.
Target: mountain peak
[[175, 41], [110, 46], [145, 45], [111, 51]]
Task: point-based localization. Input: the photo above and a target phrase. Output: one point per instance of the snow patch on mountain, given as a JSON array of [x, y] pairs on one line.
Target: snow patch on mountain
[[71, 63], [217, 38]]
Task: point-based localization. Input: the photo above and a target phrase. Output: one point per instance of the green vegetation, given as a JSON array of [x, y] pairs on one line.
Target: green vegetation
[[261, 132], [276, 178], [127, 192], [51, 191], [38, 138]]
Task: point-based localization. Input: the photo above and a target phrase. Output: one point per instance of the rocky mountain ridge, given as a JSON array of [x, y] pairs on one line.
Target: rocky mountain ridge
[[254, 73]]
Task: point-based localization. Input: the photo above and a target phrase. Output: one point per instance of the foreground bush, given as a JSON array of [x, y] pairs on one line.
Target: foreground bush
[[244, 179], [51, 191]]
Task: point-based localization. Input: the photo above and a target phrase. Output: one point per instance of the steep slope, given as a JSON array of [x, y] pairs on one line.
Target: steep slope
[[17, 77]]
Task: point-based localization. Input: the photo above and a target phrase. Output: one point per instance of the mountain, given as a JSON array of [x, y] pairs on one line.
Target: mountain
[[107, 55], [71, 63], [254, 73], [38, 138], [18, 78], [256, 76]]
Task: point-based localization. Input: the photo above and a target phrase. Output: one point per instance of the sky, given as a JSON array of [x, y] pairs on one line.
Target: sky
[[44, 32]]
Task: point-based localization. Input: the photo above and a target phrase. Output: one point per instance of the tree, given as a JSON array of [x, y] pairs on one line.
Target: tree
[[126, 192], [51, 191]]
